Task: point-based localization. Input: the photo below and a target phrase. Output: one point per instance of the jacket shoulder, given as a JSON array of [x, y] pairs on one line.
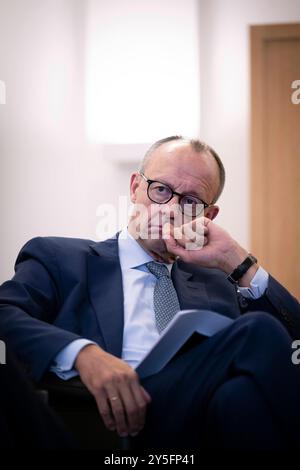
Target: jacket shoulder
[[40, 246]]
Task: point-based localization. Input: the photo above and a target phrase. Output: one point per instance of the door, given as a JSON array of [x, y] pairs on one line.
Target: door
[[275, 151]]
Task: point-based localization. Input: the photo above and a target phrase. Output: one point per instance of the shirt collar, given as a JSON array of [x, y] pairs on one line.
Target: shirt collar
[[131, 254]]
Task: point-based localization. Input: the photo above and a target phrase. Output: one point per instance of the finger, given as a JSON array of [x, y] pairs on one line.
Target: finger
[[189, 240], [136, 409], [205, 221], [194, 235], [105, 412], [132, 413], [135, 400], [146, 394], [174, 248], [192, 227], [117, 409]]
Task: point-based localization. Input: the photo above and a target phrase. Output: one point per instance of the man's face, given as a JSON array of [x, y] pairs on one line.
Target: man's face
[[185, 171]]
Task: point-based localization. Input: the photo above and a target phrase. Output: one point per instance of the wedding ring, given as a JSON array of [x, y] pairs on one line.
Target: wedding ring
[[114, 398]]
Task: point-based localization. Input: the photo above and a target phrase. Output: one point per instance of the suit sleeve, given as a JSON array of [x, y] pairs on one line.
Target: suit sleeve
[[29, 303], [278, 302]]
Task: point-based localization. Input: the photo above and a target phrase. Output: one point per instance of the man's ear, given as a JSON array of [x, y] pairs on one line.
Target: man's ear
[[211, 212], [134, 184]]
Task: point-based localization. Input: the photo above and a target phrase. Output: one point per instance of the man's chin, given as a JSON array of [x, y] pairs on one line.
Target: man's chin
[[152, 241], [158, 250]]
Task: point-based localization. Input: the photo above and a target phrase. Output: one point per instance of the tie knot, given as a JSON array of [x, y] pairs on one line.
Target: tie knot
[[159, 270]]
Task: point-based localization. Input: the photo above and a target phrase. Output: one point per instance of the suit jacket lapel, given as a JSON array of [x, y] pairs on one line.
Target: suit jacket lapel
[[191, 291], [106, 293]]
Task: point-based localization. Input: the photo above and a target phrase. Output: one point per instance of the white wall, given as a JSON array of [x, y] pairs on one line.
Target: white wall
[[41, 124], [142, 70], [225, 93]]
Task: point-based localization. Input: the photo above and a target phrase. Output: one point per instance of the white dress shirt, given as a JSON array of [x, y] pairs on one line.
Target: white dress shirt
[[140, 332]]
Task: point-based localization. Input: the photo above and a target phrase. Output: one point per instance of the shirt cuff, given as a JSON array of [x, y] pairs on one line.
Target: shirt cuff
[[63, 362], [258, 285]]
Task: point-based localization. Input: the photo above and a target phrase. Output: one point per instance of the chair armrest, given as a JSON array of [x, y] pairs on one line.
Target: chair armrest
[[76, 406], [73, 388]]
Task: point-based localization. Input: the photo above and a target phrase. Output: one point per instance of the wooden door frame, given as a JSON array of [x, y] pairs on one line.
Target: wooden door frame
[[259, 36]]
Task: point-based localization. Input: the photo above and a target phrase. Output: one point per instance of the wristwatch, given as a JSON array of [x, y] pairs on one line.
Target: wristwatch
[[242, 269]]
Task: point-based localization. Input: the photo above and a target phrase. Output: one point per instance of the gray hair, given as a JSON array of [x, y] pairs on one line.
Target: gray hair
[[196, 145]]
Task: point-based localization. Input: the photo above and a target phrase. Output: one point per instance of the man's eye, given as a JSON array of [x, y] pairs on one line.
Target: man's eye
[[161, 189], [189, 200]]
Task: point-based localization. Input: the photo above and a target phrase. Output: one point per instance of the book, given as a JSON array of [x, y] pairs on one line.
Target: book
[[185, 323]]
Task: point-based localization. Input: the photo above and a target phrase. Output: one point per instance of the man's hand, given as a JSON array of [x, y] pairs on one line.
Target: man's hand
[[216, 248], [120, 398]]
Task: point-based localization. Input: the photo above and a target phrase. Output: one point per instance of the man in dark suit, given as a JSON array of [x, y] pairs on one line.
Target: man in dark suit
[[94, 309]]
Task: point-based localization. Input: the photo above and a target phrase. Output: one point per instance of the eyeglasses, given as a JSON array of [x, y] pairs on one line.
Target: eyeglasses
[[161, 193]]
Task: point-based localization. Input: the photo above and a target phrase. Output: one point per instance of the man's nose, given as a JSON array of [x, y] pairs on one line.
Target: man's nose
[[172, 208]]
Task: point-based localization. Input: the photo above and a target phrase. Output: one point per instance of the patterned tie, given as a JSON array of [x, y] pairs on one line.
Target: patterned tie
[[165, 298]]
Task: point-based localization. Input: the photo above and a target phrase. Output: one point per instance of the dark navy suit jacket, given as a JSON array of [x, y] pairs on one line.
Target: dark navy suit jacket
[[66, 288]]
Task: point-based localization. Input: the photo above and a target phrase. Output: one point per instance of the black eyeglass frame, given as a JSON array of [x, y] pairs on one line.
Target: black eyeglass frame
[[149, 181]]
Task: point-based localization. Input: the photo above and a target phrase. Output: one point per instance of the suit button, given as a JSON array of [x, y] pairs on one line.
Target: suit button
[[286, 316], [243, 302]]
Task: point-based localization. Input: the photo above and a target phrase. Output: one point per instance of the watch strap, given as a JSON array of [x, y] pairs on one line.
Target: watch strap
[[242, 269]]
